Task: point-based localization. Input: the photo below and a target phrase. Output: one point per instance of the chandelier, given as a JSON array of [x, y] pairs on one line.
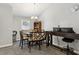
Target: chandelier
[[34, 17]]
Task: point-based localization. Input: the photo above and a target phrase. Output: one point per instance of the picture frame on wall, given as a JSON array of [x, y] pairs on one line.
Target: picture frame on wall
[[26, 25]]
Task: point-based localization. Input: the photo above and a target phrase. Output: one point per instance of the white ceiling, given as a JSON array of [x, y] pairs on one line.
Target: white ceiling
[[29, 9]]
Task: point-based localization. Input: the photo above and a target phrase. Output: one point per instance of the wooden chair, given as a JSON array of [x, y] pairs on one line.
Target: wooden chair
[[36, 38], [14, 36], [23, 37]]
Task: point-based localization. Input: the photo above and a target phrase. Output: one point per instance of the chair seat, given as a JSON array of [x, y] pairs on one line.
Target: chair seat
[[68, 40]]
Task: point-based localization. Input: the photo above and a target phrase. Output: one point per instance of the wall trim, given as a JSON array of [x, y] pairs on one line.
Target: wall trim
[[6, 45]]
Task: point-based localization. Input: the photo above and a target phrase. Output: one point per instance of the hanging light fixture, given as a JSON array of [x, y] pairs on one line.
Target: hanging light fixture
[[34, 17]]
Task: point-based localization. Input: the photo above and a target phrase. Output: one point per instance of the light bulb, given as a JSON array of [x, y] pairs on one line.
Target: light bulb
[[32, 17], [36, 17]]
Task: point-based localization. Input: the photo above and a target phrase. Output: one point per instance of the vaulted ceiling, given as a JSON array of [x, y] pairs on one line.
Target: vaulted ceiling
[[29, 9]]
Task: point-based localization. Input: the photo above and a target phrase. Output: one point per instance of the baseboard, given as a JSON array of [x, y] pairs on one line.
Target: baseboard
[[6, 45]]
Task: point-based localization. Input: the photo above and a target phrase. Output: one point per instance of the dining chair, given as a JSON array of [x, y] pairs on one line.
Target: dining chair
[[23, 37], [36, 38]]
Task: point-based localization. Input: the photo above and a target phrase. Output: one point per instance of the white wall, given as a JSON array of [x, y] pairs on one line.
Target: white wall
[[17, 25], [61, 14], [5, 25]]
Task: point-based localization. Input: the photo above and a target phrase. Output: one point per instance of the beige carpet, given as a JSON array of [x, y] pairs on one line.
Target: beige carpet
[[16, 50]]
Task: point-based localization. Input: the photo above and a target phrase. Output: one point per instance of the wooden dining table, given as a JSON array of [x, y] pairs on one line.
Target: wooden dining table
[[50, 34]]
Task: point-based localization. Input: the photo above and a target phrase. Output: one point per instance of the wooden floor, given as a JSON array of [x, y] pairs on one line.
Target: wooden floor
[[15, 50]]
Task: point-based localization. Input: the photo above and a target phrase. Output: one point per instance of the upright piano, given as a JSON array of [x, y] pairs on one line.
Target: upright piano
[[63, 29]]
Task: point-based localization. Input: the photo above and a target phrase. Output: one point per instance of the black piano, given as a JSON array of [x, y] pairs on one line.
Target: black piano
[[67, 34], [63, 29]]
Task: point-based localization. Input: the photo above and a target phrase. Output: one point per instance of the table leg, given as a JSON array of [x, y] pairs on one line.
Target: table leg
[[22, 44], [47, 40], [29, 45], [51, 39], [39, 45]]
